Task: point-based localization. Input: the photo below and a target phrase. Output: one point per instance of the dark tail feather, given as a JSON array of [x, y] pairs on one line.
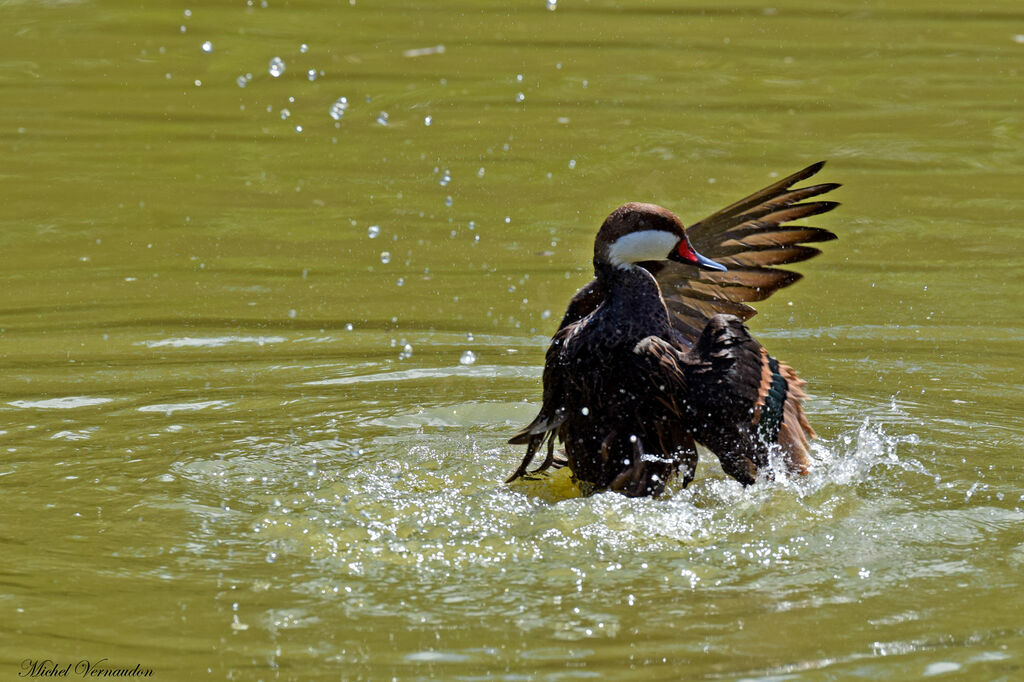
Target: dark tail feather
[[533, 443], [542, 423], [533, 435]]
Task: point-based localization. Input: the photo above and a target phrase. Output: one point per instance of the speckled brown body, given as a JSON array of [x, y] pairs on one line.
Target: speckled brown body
[[619, 408]]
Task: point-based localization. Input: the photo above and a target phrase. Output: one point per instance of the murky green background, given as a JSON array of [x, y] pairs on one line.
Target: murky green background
[[239, 437]]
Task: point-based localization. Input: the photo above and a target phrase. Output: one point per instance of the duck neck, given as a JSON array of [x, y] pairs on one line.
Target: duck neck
[[632, 293]]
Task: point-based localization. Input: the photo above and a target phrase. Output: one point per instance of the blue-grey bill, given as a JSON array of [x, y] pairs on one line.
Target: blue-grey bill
[[709, 264]]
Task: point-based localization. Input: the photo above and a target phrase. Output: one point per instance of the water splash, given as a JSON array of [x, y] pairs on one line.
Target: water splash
[[338, 108], [405, 515], [442, 506]]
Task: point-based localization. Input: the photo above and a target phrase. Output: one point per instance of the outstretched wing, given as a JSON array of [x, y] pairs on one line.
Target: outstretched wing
[[747, 402], [750, 238]]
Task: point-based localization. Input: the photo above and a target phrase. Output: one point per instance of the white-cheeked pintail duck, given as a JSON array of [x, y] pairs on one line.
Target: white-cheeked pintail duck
[[653, 356]]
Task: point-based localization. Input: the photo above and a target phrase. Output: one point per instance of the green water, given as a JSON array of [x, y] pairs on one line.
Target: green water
[[239, 442]]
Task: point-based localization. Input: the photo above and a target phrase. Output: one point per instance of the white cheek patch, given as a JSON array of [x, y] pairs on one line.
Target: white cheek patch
[[640, 246]]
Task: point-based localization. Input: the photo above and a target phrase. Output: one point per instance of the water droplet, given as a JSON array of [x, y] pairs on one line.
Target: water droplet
[[446, 177], [188, 13], [348, 327], [338, 108], [468, 358], [520, 97], [373, 231], [298, 129], [303, 48], [508, 219], [276, 67], [572, 164], [243, 80], [448, 201], [407, 349], [585, 411], [285, 113], [480, 172], [427, 120], [552, 6], [385, 257], [519, 78], [311, 74], [382, 118], [207, 46], [292, 313]]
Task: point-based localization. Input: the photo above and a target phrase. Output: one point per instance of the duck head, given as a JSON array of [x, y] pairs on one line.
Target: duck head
[[635, 233]]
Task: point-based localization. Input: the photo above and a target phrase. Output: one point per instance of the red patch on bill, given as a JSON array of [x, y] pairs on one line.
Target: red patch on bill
[[686, 252]]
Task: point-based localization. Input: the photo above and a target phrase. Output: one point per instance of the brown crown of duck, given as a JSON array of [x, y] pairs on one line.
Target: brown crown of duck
[[652, 355]]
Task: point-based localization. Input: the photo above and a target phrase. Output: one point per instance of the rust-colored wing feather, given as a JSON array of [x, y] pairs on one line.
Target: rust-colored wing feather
[[747, 403], [750, 238]]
